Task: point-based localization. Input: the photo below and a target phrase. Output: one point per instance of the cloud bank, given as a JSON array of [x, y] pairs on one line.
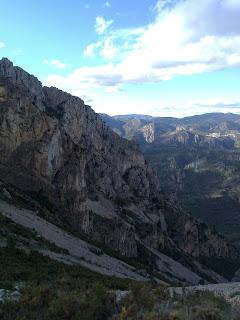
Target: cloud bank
[[185, 38], [182, 40], [102, 25]]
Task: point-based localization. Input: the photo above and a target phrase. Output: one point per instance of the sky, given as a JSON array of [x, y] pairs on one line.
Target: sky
[[158, 57]]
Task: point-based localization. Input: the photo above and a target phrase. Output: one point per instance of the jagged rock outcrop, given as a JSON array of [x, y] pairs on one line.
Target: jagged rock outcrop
[[54, 145], [184, 136], [20, 77], [149, 132]]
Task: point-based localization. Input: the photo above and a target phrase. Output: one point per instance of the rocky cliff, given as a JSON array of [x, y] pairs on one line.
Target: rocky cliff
[[54, 146]]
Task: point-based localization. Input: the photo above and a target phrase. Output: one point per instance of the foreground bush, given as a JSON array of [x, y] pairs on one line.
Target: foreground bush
[[54, 291], [156, 304], [60, 301]]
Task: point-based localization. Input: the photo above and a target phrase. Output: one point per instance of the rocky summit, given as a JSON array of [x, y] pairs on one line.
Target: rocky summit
[[58, 151]]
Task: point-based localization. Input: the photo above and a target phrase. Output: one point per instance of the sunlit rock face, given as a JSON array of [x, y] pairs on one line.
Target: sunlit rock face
[[149, 132], [52, 144], [3, 93]]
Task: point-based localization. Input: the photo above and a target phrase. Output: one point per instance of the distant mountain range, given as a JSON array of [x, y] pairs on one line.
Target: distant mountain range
[[197, 158]]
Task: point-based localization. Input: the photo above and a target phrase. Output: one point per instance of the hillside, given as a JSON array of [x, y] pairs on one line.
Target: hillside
[[58, 155], [197, 159]]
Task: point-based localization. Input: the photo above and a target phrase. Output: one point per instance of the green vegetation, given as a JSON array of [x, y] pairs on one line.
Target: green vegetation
[[52, 290], [197, 159], [40, 204], [226, 267], [205, 180], [148, 302], [155, 302]]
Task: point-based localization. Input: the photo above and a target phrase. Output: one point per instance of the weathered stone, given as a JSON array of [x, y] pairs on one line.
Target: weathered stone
[[53, 144]]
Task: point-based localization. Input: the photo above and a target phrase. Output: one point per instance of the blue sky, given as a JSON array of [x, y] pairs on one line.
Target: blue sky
[[165, 57]]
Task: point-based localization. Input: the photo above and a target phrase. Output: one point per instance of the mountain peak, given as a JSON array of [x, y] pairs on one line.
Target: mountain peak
[[5, 64], [18, 76]]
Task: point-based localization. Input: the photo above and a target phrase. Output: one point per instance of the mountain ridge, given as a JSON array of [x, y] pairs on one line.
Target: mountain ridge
[[55, 147], [197, 159]]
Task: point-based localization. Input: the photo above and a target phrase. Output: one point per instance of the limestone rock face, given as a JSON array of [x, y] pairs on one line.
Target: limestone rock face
[[52, 144], [21, 77], [149, 132]]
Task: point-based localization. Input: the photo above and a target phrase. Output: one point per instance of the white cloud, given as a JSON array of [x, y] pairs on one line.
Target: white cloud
[[102, 25], [91, 48], [108, 50], [86, 77], [162, 5], [105, 48], [107, 4], [183, 39], [2, 45], [220, 105], [215, 104], [115, 43], [55, 63]]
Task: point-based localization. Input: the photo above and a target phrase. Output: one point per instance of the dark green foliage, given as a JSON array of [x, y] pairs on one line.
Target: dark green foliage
[[60, 300], [225, 267], [33, 267], [55, 291], [154, 303], [11, 245], [210, 191]]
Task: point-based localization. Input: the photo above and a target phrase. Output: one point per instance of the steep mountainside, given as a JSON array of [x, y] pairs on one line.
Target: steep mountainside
[[197, 158], [58, 151]]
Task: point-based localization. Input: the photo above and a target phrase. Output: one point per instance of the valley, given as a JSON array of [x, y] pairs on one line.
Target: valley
[[197, 160]]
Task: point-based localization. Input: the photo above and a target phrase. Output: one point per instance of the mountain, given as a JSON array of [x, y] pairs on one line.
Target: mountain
[[61, 164], [197, 159], [133, 116]]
